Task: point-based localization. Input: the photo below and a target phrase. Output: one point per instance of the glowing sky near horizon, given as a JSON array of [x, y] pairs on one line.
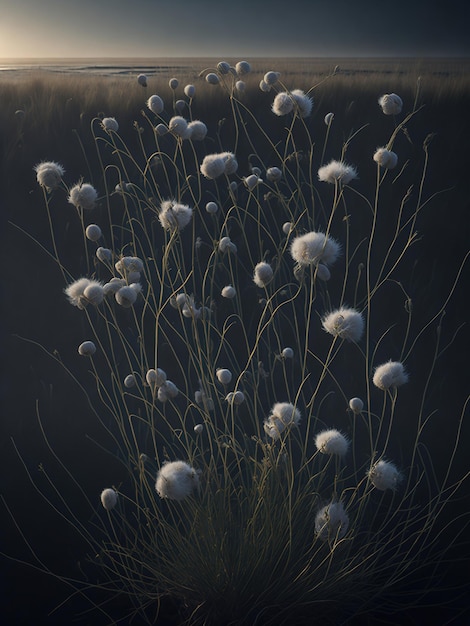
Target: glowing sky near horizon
[[169, 28]]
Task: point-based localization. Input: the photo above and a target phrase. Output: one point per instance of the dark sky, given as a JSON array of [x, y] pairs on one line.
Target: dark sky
[[242, 28]]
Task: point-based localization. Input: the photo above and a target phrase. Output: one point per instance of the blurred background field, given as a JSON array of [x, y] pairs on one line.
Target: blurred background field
[[45, 114]]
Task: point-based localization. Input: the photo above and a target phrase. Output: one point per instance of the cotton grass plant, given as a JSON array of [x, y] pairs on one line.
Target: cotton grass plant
[[265, 477]]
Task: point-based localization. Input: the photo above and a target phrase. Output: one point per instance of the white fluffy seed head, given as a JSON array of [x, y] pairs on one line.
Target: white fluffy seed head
[[74, 292], [263, 274], [155, 377], [176, 480], [303, 103], [356, 405], [391, 104], [114, 285], [161, 129], [155, 104], [345, 323], [110, 124], [129, 266], [173, 83], [331, 442], [94, 293], [212, 166], [240, 86], [271, 77], [198, 429], [283, 104], [313, 248], [337, 172], [212, 78], [83, 196], [93, 232], [242, 68], [179, 126], [130, 381], [224, 376], [273, 174], [212, 207], [127, 295], [263, 85], [283, 417], [142, 80], [252, 181], [384, 475], [229, 292], [385, 158], [287, 353], [49, 174], [190, 91], [174, 215], [390, 374], [198, 130], [331, 522], [223, 67], [227, 245], [287, 227], [230, 162], [87, 348], [238, 397], [329, 118], [109, 499]]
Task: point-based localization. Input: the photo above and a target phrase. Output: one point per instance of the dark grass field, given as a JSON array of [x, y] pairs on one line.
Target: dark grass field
[[57, 109]]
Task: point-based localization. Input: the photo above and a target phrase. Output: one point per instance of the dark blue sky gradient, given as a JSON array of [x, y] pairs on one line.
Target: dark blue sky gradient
[[169, 28]]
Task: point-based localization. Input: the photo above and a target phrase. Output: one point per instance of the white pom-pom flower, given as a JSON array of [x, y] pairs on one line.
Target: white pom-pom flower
[[303, 103], [331, 522], [189, 91], [198, 130], [127, 295], [110, 124], [130, 381], [230, 162], [283, 104], [83, 196], [337, 172], [287, 353], [224, 375], [212, 78], [174, 216], [173, 83], [390, 374], [227, 245], [329, 118], [75, 292], [155, 104], [176, 480], [49, 174], [384, 475], [179, 127], [271, 77], [385, 158], [273, 174], [109, 498], [155, 377], [212, 166], [212, 207], [345, 323], [284, 416], [263, 274], [391, 104], [356, 405], [242, 68], [87, 348], [331, 442], [93, 232], [313, 248], [229, 292], [142, 80]]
